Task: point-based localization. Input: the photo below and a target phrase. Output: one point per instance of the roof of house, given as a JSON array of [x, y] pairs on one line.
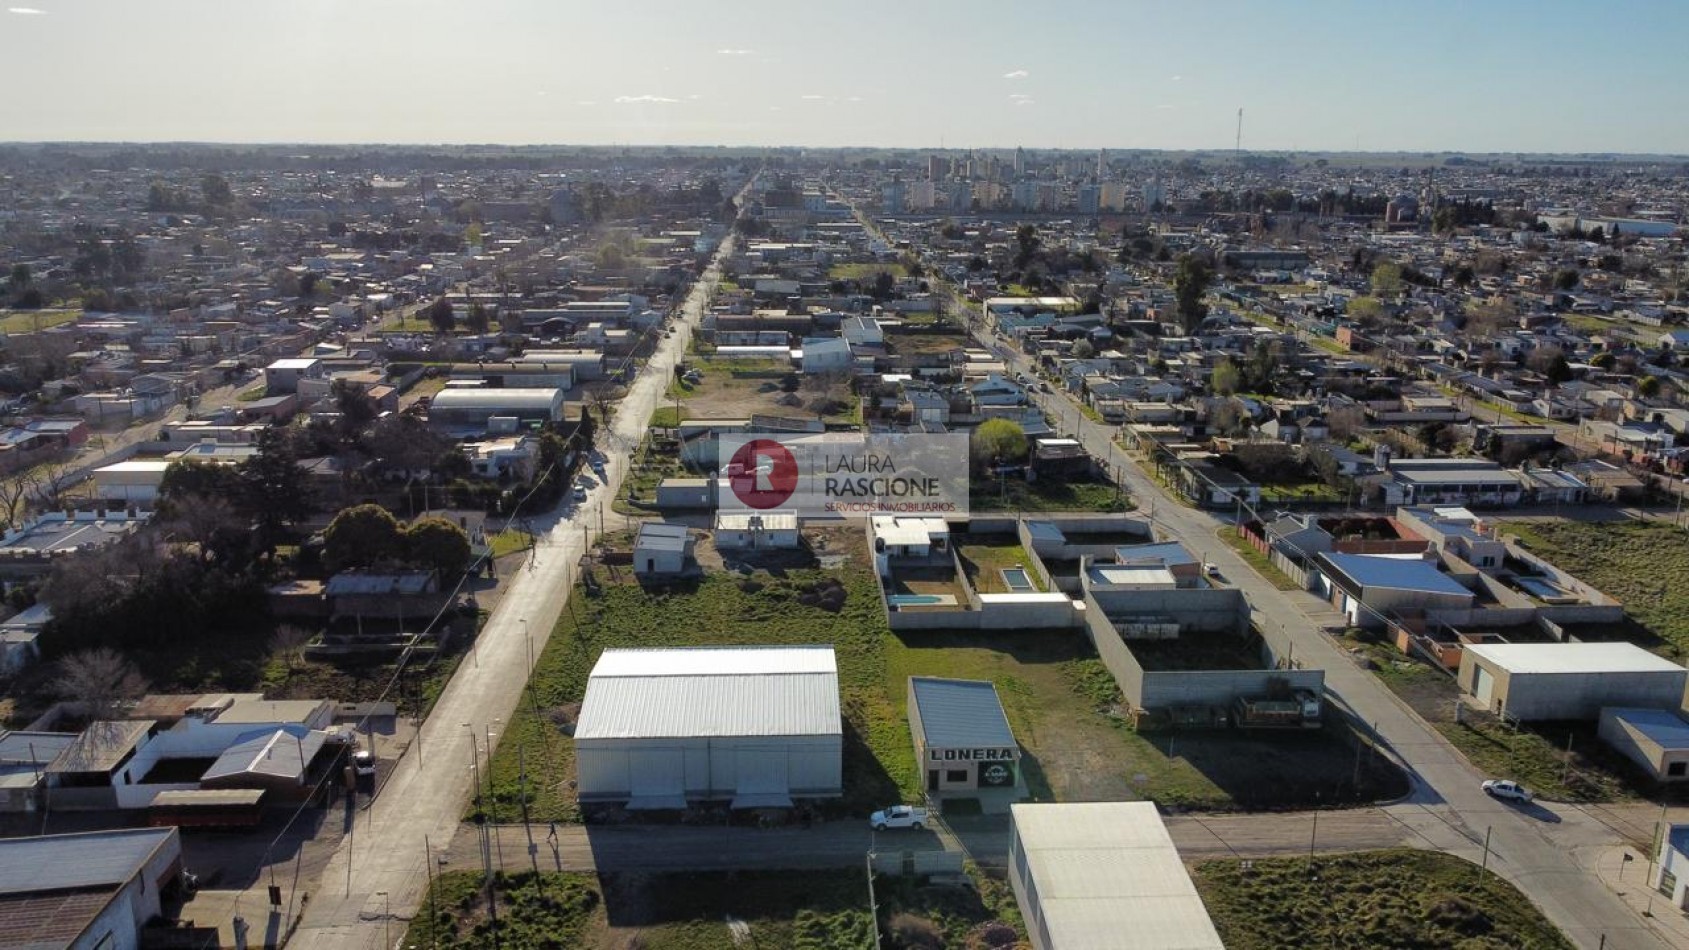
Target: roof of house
[[1165, 553], [1661, 726], [264, 712], [33, 748], [661, 536], [711, 692], [1617, 657], [77, 861], [274, 753], [1108, 877], [960, 714], [1395, 573], [102, 745], [492, 397]]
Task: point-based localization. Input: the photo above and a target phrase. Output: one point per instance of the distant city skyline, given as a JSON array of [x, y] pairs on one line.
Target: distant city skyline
[[1318, 75]]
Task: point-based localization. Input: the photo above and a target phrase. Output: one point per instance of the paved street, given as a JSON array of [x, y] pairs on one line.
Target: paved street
[[1446, 809], [382, 862]]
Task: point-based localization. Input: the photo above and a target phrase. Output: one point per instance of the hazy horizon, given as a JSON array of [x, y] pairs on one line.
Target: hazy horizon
[[1317, 76]]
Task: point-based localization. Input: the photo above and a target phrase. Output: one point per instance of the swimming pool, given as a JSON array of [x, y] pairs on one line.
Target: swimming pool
[[1018, 581], [1539, 588], [920, 600]]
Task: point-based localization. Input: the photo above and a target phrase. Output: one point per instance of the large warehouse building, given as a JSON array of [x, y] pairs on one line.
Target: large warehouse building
[[754, 726], [1103, 876], [1534, 681]]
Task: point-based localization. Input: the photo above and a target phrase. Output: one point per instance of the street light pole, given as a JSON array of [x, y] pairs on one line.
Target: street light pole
[[386, 920]]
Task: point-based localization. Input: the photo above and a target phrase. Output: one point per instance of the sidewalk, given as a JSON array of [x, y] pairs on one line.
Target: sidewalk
[[1629, 880]]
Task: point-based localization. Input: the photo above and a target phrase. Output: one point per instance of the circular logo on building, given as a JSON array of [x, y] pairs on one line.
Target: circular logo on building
[[996, 774], [763, 474]]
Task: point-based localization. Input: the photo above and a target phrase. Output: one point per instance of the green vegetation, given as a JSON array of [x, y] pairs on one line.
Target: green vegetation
[[801, 606], [667, 417], [509, 541], [985, 562], [802, 910], [1536, 756], [15, 322], [1414, 900], [866, 271], [535, 911], [250, 395], [1015, 494], [1645, 564], [1302, 491], [1256, 559]]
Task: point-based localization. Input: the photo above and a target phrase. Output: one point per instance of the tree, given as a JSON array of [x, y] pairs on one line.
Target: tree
[[404, 444], [1366, 311], [1566, 279], [1026, 245], [14, 500], [1083, 350], [290, 641], [354, 406], [1190, 284], [19, 279], [1225, 377], [438, 545], [196, 478], [996, 441], [100, 680], [1387, 280], [479, 318], [883, 285], [363, 536], [1344, 422], [440, 315], [587, 431], [1648, 386], [214, 189], [1603, 360], [273, 485]]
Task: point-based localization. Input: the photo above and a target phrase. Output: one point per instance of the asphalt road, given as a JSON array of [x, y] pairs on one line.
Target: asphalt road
[[1446, 809], [383, 861]]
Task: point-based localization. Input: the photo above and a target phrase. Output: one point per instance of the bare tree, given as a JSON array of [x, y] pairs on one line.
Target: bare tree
[[601, 398], [290, 641], [50, 482], [100, 680], [1345, 421], [14, 500]]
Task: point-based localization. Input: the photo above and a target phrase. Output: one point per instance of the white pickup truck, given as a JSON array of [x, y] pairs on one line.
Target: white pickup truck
[[899, 816]]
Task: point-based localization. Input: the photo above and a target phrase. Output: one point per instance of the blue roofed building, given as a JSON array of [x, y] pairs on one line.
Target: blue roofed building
[[963, 743], [1370, 589]]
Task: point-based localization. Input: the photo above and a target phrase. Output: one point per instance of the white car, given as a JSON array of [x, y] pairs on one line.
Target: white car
[[363, 762], [898, 816], [1508, 789]]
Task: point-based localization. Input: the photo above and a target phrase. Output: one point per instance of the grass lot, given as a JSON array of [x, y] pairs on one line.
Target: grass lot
[[866, 271], [250, 395], [1256, 559], [649, 467], [1305, 491], [1645, 564], [735, 388], [984, 563], [799, 607], [801, 910], [407, 321], [509, 541], [14, 322], [1399, 898], [1018, 495]]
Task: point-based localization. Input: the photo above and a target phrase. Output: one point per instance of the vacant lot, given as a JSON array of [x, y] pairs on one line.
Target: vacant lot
[[801, 910], [866, 271], [1014, 494], [735, 389], [985, 559], [1407, 899], [14, 322], [1645, 564]]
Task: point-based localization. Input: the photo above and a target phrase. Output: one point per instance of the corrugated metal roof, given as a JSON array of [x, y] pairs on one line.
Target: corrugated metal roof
[[961, 714], [496, 398], [1108, 876], [660, 536], [102, 746], [33, 748], [1573, 658], [63, 862], [278, 753], [1662, 726], [711, 692]]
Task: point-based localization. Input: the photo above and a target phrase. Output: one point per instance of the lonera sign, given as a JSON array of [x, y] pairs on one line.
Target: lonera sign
[[973, 755]]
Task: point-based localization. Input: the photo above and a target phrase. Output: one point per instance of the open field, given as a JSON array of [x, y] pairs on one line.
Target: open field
[[14, 322], [735, 389], [1014, 494], [866, 271], [509, 541], [1645, 564], [801, 910], [1407, 899]]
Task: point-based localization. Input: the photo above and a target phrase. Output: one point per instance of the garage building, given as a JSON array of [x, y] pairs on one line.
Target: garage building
[[1534, 681], [1103, 876], [753, 726], [1366, 588], [1656, 739], [962, 739], [473, 408]]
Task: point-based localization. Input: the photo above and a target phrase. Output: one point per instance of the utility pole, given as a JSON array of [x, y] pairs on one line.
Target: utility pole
[[1486, 865]]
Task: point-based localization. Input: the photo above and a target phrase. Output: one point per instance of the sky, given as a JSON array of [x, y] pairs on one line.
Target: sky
[[1310, 75]]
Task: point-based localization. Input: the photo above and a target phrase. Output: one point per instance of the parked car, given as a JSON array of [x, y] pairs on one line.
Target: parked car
[[363, 762], [579, 493], [898, 816], [1508, 790]]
